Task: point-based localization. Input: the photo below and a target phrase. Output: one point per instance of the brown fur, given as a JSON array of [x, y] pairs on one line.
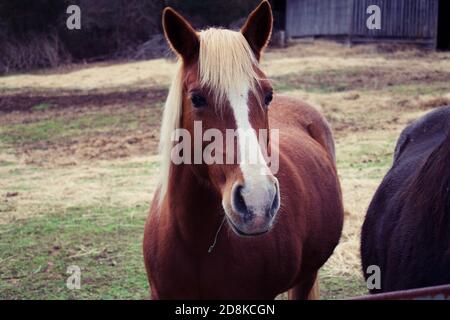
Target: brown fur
[[307, 227], [307, 230]]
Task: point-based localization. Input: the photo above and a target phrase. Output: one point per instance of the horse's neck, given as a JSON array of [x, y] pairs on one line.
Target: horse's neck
[[195, 209]]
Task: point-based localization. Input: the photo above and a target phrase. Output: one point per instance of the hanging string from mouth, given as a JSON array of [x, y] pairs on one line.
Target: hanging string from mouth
[[211, 247]]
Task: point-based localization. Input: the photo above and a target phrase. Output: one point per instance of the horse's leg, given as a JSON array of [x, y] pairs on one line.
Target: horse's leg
[[154, 295], [307, 289], [314, 293]]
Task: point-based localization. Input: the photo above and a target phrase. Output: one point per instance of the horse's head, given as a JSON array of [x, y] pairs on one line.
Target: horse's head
[[222, 87]]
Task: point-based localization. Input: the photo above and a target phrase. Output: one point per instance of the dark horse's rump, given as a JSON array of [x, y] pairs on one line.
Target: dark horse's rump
[[407, 228]]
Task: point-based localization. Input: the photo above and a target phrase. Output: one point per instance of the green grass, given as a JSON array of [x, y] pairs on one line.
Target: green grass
[[344, 287], [358, 78], [32, 130], [42, 130], [372, 158], [286, 84], [51, 130], [436, 88], [4, 163], [42, 106], [312, 82], [105, 242]]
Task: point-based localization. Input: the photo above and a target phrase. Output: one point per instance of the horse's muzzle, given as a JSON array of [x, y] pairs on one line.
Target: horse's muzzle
[[253, 208]]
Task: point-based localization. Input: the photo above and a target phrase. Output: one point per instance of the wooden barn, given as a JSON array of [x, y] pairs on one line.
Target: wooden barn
[[424, 22]]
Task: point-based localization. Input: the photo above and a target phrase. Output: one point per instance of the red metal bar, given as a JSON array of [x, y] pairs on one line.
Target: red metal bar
[[429, 293]]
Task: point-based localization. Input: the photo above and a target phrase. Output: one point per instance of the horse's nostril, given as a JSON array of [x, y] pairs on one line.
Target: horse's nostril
[[267, 202], [276, 202], [239, 203]]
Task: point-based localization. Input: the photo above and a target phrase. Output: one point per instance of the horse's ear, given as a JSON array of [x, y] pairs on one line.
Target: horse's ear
[[258, 28], [180, 34]]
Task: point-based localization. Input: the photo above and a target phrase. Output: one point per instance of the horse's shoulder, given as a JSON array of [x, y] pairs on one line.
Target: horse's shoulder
[[414, 147], [292, 112], [293, 109], [426, 132]]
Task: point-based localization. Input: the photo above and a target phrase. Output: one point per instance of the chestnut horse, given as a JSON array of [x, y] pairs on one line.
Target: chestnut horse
[[239, 231], [406, 232]]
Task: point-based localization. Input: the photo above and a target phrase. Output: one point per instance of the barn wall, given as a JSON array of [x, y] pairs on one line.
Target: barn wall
[[312, 18], [407, 19], [401, 19]]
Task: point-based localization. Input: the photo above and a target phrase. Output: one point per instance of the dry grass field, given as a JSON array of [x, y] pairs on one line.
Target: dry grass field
[[78, 160]]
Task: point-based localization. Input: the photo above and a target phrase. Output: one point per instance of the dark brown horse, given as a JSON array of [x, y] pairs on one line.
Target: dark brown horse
[[239, 230], [406, 232]]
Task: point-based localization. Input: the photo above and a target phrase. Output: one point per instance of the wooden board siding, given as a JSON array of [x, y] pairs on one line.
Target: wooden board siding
[[407, 20], [411, 19], [306, 18]]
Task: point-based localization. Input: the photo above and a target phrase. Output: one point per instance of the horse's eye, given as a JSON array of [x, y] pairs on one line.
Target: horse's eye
[[268, 98], [198, 101]]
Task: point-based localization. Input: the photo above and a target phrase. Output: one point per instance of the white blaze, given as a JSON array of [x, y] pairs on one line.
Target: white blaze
[[257, 186]]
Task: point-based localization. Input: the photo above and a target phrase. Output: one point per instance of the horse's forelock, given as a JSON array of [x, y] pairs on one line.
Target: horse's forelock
[[226, 62]]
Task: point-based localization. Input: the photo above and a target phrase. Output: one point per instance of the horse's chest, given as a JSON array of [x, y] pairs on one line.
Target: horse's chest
[[257, 270]]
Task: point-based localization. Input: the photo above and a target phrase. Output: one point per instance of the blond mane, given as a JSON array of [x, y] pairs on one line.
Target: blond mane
[[226, 62]]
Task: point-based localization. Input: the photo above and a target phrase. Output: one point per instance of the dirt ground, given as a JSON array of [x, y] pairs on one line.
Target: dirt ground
[[80, 142]]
